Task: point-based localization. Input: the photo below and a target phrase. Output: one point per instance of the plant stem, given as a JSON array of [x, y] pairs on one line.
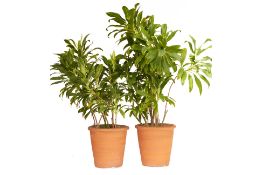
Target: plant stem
[[99, 121], [144, 120], [105, 120], [113, 120], [165, 112], [156, 116], [94, 118], [151, 113]]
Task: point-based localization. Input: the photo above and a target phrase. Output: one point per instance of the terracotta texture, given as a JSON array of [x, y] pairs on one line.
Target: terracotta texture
[[155, 144], [108, 145]]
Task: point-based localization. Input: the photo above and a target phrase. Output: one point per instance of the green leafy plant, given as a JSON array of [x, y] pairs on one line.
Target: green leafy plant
[[151, 63], [91, 82]]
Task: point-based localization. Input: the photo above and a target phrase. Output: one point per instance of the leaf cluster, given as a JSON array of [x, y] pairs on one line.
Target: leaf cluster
[[151, 63], [89, 81], [140, 76]]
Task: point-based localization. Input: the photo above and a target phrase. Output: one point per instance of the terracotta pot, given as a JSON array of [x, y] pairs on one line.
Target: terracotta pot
[[108, 145], [155, 144]]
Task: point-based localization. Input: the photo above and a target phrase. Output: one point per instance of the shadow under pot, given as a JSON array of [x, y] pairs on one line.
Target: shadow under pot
[[155, 143], [108, 145]]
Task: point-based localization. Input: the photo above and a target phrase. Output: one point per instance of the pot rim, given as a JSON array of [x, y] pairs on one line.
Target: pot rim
[[165, 125], [120, 127]]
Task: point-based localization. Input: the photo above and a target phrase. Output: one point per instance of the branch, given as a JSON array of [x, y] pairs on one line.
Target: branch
[[165, 112]]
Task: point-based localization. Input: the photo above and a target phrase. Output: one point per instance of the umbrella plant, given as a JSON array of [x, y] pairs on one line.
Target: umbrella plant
[[151, 63], [90, 81]]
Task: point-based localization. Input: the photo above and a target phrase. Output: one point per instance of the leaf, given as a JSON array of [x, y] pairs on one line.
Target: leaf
[[136, 47], [142, 93], [119, 20], [205, 79], [151, 55], [172, 34], [207, 40], [145, 34], [57, 82], [183, 78], [199, 84], [202, 50], [194, 41], [168, 99], [114, 15], [208, 73], [173, 51], [113, 31], [206, 58], [163, 29], [138, 59], [163, 84], [190, 82], [180, 73], [122, 113], [190, 46], [105, 60], [174, 67], [183, 56], [56, 78], [125, 10]]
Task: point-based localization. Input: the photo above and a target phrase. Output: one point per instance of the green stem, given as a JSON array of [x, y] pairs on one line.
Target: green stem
[[165, 112]]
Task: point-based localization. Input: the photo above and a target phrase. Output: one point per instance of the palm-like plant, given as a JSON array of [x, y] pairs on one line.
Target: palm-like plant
[[89, 81], [151, 63]]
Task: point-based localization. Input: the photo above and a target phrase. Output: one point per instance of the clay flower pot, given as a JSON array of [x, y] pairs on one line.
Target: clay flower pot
[[108, 145], [155, 143]]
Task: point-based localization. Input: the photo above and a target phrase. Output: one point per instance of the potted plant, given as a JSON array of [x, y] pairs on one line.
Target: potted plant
[[92, 83], [152, 65]]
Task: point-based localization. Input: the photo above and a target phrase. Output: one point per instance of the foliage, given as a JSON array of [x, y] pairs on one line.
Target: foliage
[[90, 82], [151, 63], [149, 66]]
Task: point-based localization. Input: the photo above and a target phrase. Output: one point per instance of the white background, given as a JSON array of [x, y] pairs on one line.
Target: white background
[[217, 133]]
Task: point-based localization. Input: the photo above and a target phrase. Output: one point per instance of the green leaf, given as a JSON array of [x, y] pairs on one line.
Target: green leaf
[[190, 46], [194, 41], [190, 82], [126, 10], [183, 78], [172, 34], [208, 73], [174, 66], [142, 93], [203, 50], [151, 55], [122, 113], [173, 51], [138, 59], [168, 99], [163, 84], [183, 56], [206, 58], [163, 29], [114, 15], [56, 78], [180, 73], [207, 40], [119, 20], [136, 47], [145, 34], [205, 79], [57, 82], [199, 84]]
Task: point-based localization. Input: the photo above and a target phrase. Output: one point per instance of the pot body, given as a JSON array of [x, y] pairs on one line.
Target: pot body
[[108, 145], [155, 144]]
